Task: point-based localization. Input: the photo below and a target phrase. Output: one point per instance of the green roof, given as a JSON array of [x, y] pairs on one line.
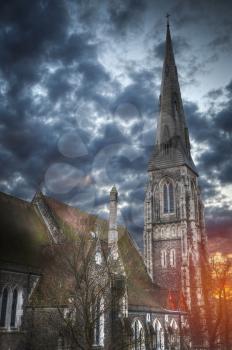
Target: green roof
[[23, 233], [141, 290], [24, 237]]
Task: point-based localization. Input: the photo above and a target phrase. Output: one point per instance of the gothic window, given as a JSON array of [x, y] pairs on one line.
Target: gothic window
[[148, 207], [154, 341], [158, 340], [163, 258], [184, 242], [172, 257], [173, 333], [99, 323], [10, 308], [124, 306], [98, 258], [138, 336], [165, 198], [61, 343], [168, 198], [14, 308], [4, 307]]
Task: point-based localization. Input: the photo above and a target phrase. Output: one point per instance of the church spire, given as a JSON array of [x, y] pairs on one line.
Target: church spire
[[172, 120], [172, 138]]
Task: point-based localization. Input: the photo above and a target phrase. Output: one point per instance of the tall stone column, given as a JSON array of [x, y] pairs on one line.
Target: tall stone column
[[113, 232]]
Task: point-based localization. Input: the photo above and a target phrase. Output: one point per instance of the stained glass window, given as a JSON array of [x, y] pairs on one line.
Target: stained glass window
[[3, 307], [14, 308], [168, 198]]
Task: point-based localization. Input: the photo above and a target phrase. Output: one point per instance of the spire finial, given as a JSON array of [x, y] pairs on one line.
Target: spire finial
[[167, 16]]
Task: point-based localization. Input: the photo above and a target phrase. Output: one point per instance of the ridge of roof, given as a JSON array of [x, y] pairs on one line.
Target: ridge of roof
[[4, 195]]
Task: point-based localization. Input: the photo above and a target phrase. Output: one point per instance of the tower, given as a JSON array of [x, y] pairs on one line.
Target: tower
[[174, 230]]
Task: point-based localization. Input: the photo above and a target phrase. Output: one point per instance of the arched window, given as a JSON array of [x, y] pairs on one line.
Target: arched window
[[124, 306], [98, 258], [138, 336], [173, 333], [61, 343], [163, 258], [11, 302], [168, 198], [99, 323], [158, 342], [4, 307], [172, 257], [14, 308], [165, 189]]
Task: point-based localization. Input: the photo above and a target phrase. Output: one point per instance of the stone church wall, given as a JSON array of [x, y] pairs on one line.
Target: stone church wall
[[168, 277]]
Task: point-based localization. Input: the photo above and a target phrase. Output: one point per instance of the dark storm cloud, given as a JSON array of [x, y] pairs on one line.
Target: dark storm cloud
[[54, 80], [24, 39], [75, 47], [37, 49], [214, 163], [124, 13], [229, 87], [139, 95], [111, 135], [223, 120], [214, 130], [180, 45], [214, 94], [221, 42], [219, 226]]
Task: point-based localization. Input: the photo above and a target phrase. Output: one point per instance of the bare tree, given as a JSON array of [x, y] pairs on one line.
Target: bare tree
[[74, 293], [219, 303], [80, 292]]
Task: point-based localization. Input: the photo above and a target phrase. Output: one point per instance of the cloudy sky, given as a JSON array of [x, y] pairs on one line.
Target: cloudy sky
[[79, 87]]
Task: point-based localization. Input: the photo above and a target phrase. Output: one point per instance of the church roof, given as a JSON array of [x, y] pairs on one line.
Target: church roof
[[141, 291], [24, 239], [23, 233]]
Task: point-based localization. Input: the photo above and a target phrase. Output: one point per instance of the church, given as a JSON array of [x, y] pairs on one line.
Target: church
[[162, 295]]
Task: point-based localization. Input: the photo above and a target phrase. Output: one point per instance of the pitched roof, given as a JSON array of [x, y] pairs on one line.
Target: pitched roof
[[141, 291], [24, 239], [22, 232]]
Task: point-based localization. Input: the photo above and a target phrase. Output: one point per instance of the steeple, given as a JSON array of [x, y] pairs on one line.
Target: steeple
[[172, 138], [174, 228]]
